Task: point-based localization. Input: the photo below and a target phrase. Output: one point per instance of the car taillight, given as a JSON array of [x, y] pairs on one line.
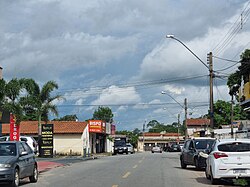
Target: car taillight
[[219, 155]]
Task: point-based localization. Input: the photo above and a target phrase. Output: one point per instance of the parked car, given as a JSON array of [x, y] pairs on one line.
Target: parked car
[[228, 159], [130, 148], [17, 161], [156, 149], [181, 145], [120, 147], [28, 139], [190, 154], [174, 148]]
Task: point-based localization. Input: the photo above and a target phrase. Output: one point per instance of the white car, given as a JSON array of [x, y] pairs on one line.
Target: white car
[[228, 159], [28, 139], [130, 148]]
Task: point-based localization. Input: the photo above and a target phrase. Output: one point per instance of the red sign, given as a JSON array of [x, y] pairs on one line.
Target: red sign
[[113, 129], [96, 126], [14, 129]]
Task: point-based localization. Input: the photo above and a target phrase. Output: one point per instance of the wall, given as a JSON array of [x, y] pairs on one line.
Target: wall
[[64, 143]]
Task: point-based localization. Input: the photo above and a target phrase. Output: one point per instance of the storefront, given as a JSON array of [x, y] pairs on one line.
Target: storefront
[[97, 136]]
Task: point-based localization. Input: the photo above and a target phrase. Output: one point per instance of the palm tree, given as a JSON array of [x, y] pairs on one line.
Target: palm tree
[[40, 101]]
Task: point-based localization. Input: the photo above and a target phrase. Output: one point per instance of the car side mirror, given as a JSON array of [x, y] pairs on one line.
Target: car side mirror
[[24, 153]]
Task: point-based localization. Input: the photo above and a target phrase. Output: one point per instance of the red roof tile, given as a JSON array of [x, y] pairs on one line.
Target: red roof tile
[[198, 122], [60, 127]]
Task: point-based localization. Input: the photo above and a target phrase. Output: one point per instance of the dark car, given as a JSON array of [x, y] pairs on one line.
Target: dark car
[[120, 147], [192, 148], [174, 148], [17, 161]]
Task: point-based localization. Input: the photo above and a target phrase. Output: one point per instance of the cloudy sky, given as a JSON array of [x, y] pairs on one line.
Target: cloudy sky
[[115, 53]]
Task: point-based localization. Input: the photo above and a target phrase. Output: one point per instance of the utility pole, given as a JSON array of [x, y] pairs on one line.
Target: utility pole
[[211, 76], [232, 116], [143, 130], [185, 124], [1, 77], [178, 131]]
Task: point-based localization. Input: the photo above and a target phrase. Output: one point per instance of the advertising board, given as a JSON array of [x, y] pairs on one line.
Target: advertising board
[[47, 140]]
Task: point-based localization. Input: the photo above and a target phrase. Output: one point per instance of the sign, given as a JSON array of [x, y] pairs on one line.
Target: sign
[[47, 140], [113, 128], [96, 126], [14, 129]]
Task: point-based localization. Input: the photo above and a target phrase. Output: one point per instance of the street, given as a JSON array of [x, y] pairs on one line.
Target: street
[[138, 170]]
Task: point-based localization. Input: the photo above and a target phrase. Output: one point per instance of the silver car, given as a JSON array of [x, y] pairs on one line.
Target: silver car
[[130, 148], [17, 161]]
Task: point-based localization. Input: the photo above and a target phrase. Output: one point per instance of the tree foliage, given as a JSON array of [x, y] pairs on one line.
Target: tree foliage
[[132, 135], [222, 113], [157, 127], [103, 113], [67, 118]]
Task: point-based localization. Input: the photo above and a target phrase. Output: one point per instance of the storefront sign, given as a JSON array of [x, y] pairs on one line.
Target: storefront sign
[[47, 140], [14, 129], [96, 126], [113, 129]]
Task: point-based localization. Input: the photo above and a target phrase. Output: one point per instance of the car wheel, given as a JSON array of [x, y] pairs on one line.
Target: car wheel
[[16, 180], [213, 180], [152, 151], [197, 165], [34, 177], [183, 165]]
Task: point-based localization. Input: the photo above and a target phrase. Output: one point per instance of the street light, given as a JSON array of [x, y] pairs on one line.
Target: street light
[[211, 75]]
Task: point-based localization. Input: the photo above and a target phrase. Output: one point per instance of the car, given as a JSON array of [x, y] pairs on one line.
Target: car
[[181, 145], [228, 159], [190, 154], [174, 148], [120, 147], [28, 139], [17, 161], [156, 149], [130, 148]]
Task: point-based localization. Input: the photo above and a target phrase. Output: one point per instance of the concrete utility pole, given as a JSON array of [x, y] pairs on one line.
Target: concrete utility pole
[[232, 116], [1, 77], [211, 76], [185, 124], [178, 131]]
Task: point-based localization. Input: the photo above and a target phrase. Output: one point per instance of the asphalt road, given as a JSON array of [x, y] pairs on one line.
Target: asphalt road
[[138, 170]]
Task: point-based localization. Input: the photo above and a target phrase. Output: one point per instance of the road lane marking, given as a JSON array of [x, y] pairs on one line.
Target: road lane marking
[[126, 175], [135, 166], [140, 161], [115, 186]]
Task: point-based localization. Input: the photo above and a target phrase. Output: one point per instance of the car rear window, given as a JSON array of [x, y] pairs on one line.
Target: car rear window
[[204, 144], [234, 147]]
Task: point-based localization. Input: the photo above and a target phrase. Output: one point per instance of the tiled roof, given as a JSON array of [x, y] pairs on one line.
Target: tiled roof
[[60, 127], [159, 134], [198, 122]]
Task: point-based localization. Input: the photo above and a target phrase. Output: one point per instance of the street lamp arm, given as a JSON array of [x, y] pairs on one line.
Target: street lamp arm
[[163, 92], [172, 37]]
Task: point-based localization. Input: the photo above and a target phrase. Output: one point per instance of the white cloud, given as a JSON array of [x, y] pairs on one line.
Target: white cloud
[[116, 95]]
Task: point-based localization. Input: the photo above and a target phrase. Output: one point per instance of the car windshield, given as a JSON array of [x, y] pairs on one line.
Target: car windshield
[[203, 144], [234, 147], [7, 149], [120, 143]]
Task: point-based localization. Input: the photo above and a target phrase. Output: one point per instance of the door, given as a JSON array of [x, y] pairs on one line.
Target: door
[[30, 157], [190, 153], [185, 151]]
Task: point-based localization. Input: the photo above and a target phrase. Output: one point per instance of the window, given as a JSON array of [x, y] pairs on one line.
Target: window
[[8, 149], [204, 144], [21, 148], [186, 145], [234, 147], [27, 148]]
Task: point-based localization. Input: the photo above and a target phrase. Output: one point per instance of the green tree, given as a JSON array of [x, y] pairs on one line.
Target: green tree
[[153, 123], [222, 113], [11, 100], [132, 136], [103, 113], [67, 118]]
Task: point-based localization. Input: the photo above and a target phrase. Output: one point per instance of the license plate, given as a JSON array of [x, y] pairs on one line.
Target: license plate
[[239, 171]]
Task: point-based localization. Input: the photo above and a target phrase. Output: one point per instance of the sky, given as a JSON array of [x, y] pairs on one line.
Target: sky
[[115, 53]]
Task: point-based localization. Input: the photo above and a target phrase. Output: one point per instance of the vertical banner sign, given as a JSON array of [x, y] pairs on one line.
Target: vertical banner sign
[[14, 129], [47, 140]]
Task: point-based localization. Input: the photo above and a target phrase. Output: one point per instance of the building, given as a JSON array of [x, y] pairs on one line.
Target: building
[[148, 140], [69, 137], [197, 127]]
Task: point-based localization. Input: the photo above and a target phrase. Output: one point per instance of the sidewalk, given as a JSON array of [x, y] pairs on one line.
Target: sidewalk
[[46, 165]]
